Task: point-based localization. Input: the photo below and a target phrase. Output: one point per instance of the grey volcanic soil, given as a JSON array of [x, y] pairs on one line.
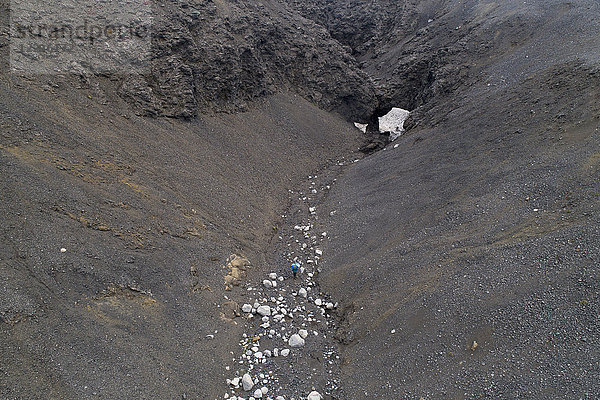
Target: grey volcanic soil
[[481, 225]]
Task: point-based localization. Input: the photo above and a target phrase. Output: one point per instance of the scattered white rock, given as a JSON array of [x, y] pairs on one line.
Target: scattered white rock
[[264, 310], [314, 395], [247, 308], [296, 341], [319, 252], [303, 333], [247, 382], [329, 306], [63, 250], [259, 394], [302, 292], [267, 283], [285, 352], [272, 276], [235, 381], [319, 302]]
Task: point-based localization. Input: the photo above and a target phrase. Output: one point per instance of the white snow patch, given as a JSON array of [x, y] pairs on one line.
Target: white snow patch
[[361, 127], [393, 122]]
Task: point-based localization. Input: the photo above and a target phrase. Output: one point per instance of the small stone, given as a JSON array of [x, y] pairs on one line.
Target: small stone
[[267, 283], [63, 250], [258, 393], [296, 341], [264, 390], [319, 302], [272, 276], [318, 252], [329, 306], [285, 352], [247, 308], [264, 310], [235, 381], [303, 333], [302, 292], [314, 396], [247, 382]]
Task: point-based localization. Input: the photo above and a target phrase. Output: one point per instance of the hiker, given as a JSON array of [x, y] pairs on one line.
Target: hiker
[[295, 267]]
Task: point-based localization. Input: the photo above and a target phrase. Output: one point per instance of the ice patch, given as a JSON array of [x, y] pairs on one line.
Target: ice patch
[[393, 122], [362, 127]]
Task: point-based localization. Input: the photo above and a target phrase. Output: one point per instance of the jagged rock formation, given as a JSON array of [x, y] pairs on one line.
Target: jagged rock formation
[[221, 56]]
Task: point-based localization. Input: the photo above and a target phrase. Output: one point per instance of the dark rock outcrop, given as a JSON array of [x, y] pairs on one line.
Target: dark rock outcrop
[[221, 56]]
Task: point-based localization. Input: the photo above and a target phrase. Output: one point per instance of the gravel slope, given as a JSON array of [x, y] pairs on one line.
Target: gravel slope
[[480, 225]]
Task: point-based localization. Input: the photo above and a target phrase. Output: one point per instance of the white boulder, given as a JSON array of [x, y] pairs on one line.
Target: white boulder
[[247, 308], [264, 310], [296, 341], [247, 382], [314, 395]]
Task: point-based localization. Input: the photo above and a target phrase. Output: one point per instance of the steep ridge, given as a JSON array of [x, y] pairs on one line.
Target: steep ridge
[[466, 253], [116, 227], [147, 212]]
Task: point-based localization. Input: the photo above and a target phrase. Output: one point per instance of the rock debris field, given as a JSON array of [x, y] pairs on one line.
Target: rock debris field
[[288, 349]]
